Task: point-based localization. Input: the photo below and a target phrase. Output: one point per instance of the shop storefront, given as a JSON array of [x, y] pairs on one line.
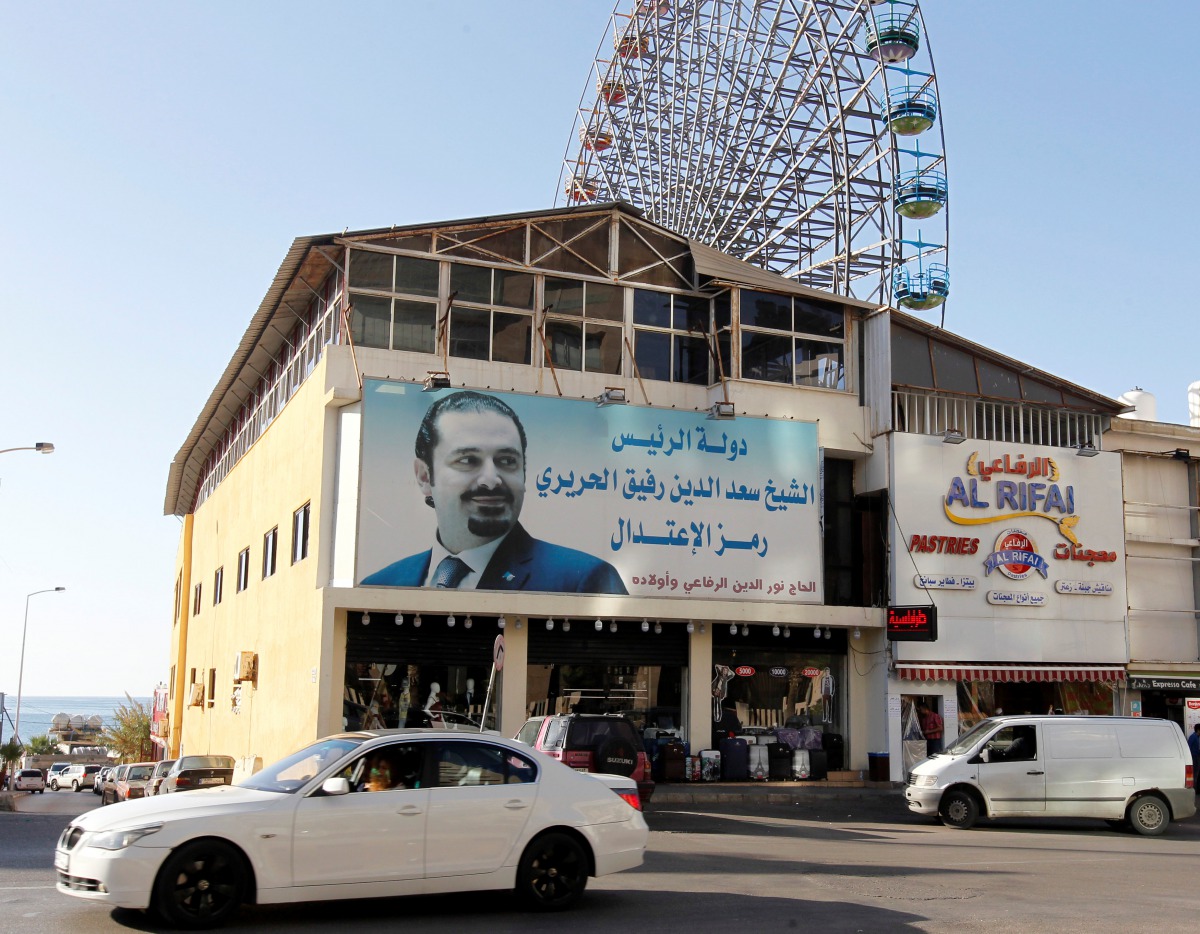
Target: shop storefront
[[1170, 696]]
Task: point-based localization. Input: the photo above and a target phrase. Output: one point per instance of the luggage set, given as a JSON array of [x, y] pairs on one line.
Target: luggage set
[[747, 759]]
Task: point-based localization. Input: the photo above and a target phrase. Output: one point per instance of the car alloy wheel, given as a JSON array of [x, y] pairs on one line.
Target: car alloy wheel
[[553, 872], [200, 885]]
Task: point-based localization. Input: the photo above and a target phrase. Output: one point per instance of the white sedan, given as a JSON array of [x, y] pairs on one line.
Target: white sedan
[[359, 815]]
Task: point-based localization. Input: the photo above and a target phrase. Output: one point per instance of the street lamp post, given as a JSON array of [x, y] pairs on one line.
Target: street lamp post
[[21, 671]]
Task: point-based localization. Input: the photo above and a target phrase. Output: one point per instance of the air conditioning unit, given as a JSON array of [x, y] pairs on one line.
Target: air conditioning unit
[[160, 728], [246, 666], [196, 695]]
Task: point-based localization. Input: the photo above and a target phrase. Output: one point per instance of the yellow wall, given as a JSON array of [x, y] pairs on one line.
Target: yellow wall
[[279, 618]]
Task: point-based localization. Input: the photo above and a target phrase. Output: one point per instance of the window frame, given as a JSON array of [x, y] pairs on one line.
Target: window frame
[[796, 339], [301, 519], [270, 553], [218, 585], [243, 569]]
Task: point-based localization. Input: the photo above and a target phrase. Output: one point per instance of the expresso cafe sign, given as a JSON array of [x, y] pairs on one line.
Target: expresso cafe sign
[[1153, 683]]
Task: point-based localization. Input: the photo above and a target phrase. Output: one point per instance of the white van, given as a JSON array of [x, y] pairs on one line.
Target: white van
[[1130, 771]]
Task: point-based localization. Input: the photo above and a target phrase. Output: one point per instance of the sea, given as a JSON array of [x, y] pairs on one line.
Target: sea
[[38, 712]]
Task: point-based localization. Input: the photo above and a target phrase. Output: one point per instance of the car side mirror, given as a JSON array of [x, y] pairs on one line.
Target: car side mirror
[[981, 756], [335, 786]]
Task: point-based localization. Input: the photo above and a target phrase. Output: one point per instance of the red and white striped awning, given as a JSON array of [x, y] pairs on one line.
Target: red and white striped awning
[[1006, 673]]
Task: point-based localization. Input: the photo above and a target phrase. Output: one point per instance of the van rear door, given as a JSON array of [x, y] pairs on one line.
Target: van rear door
[[1013, 775]]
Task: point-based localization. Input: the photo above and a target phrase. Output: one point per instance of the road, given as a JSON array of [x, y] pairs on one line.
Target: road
[[853, 866]]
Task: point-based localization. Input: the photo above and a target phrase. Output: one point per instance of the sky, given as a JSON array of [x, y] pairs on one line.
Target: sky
[[159, 159]]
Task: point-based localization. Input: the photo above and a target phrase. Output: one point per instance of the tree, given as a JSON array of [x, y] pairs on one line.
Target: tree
[[41, 746], [129, 736], [9, 752]]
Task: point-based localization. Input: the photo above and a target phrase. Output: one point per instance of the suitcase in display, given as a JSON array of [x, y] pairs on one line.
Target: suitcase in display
[[779, 762], [835, 748], [760, 764], [672, 757], [801, 765], [735, 760], [818, 765], [710, 765], [691, 769]]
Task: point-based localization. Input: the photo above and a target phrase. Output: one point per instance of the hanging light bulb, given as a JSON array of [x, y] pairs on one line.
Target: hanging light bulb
[[857, 634], [467, 623], [691, 627], [701, 629], [657, 628], [549, 625], [417, 621], [745, 630], [450, 620], [566, 625], [366, 618], [775, 630], [517, 624], [501, 622], [612, 627], [599, 625], [645, 625], [733, 629], [787, 632], [399, 619], [817, 632]]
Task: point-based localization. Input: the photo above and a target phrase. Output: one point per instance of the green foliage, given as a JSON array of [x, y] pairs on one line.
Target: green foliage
[[41, 746], [10, 752], [129, 736]]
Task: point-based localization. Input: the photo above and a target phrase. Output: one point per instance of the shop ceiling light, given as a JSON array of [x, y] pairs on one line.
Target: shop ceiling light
[[645, 625], [857, 632], [549, 625], [612, 627], [467, 623], [566, 627], [701, 629], [417, 621], [657, 628], [745, 630], [501, 622], [691, 627], [787, 632], [366, 618], [774, 630], [733, 629], [450, 620], [817, 632], [399, 619], [517, 624], [599, 625]]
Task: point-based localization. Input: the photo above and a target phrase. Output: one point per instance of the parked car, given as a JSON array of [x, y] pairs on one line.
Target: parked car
[[30, 780], [109, 795], [1131, 771], [52, 776], [592, 743], [461, 812], [132, 783], [101, 779], [160, 772], [192, 772], [78, 777]]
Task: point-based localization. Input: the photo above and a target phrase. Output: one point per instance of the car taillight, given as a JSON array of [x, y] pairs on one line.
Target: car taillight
[[632, 798], [1189, 777], [182, 781]]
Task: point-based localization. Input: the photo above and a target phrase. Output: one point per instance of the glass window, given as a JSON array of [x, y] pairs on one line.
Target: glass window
[[196, 600], [954, 369], [564, 340], [369, 270], [270, 542], [471, 283], [397, 767], [416, 276], [605, 301], [766, 357], [513, 289], [652, 350], [691, 314], [563, 297], [470, 333], [722, 311], [652, 308], [243, 574], [218, 585], [475, 764], [997, 381], [691, 360], [911, 365], [415, 327], [766, 310], [300, 519], [512, 338], [1013, 744], [819, 363], [815, 317], [602, 349], [1034, 391], [370, 321]]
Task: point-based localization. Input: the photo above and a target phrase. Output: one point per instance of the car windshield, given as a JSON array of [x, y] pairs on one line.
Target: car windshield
[[290, 774], [970, 738]]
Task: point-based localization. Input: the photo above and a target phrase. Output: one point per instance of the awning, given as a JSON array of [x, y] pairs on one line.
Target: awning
[[158, 741], [1006, 673]]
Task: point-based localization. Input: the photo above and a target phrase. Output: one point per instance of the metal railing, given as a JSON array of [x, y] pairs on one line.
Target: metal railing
[[927, 413]]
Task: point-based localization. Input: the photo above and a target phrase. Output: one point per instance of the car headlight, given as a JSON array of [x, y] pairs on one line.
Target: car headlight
[[928, 780], [119, 839]]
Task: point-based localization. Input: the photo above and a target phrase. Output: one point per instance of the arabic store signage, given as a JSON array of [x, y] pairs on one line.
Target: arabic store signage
[[679, 505], [1012, 525]]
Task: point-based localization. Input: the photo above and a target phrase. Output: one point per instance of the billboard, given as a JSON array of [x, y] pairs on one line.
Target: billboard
[[1006, 532], [595, 499]]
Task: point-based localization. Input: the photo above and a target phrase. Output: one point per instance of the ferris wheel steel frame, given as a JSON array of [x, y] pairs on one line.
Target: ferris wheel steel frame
[[760, 127]]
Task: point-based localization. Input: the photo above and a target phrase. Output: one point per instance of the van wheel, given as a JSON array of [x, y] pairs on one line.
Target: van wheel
[[959, 810], [1149, 815]]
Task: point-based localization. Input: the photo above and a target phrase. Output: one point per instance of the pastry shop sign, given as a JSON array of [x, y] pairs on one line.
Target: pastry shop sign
[[912, 623]]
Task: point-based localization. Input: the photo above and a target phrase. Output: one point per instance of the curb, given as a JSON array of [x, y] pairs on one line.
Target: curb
[[6, 801], [777, 793]]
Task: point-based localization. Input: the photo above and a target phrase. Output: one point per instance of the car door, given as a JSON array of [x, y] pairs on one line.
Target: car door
[[372, 834], [1012, 772], [478, 809]]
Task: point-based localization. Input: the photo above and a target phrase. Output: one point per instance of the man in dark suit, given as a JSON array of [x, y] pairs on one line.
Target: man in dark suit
[[470, 466]]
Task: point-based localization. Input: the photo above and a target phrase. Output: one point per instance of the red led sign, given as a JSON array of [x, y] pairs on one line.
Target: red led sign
[[912, 623]]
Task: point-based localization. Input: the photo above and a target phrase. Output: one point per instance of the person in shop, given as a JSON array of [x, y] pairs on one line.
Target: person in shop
[[470, 468], [931, 727]]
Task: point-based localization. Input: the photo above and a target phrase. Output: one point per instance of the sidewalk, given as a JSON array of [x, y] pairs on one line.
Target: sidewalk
[[782, 793]]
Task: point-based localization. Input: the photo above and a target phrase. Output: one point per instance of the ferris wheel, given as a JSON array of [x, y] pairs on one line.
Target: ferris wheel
[[803, 137]]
